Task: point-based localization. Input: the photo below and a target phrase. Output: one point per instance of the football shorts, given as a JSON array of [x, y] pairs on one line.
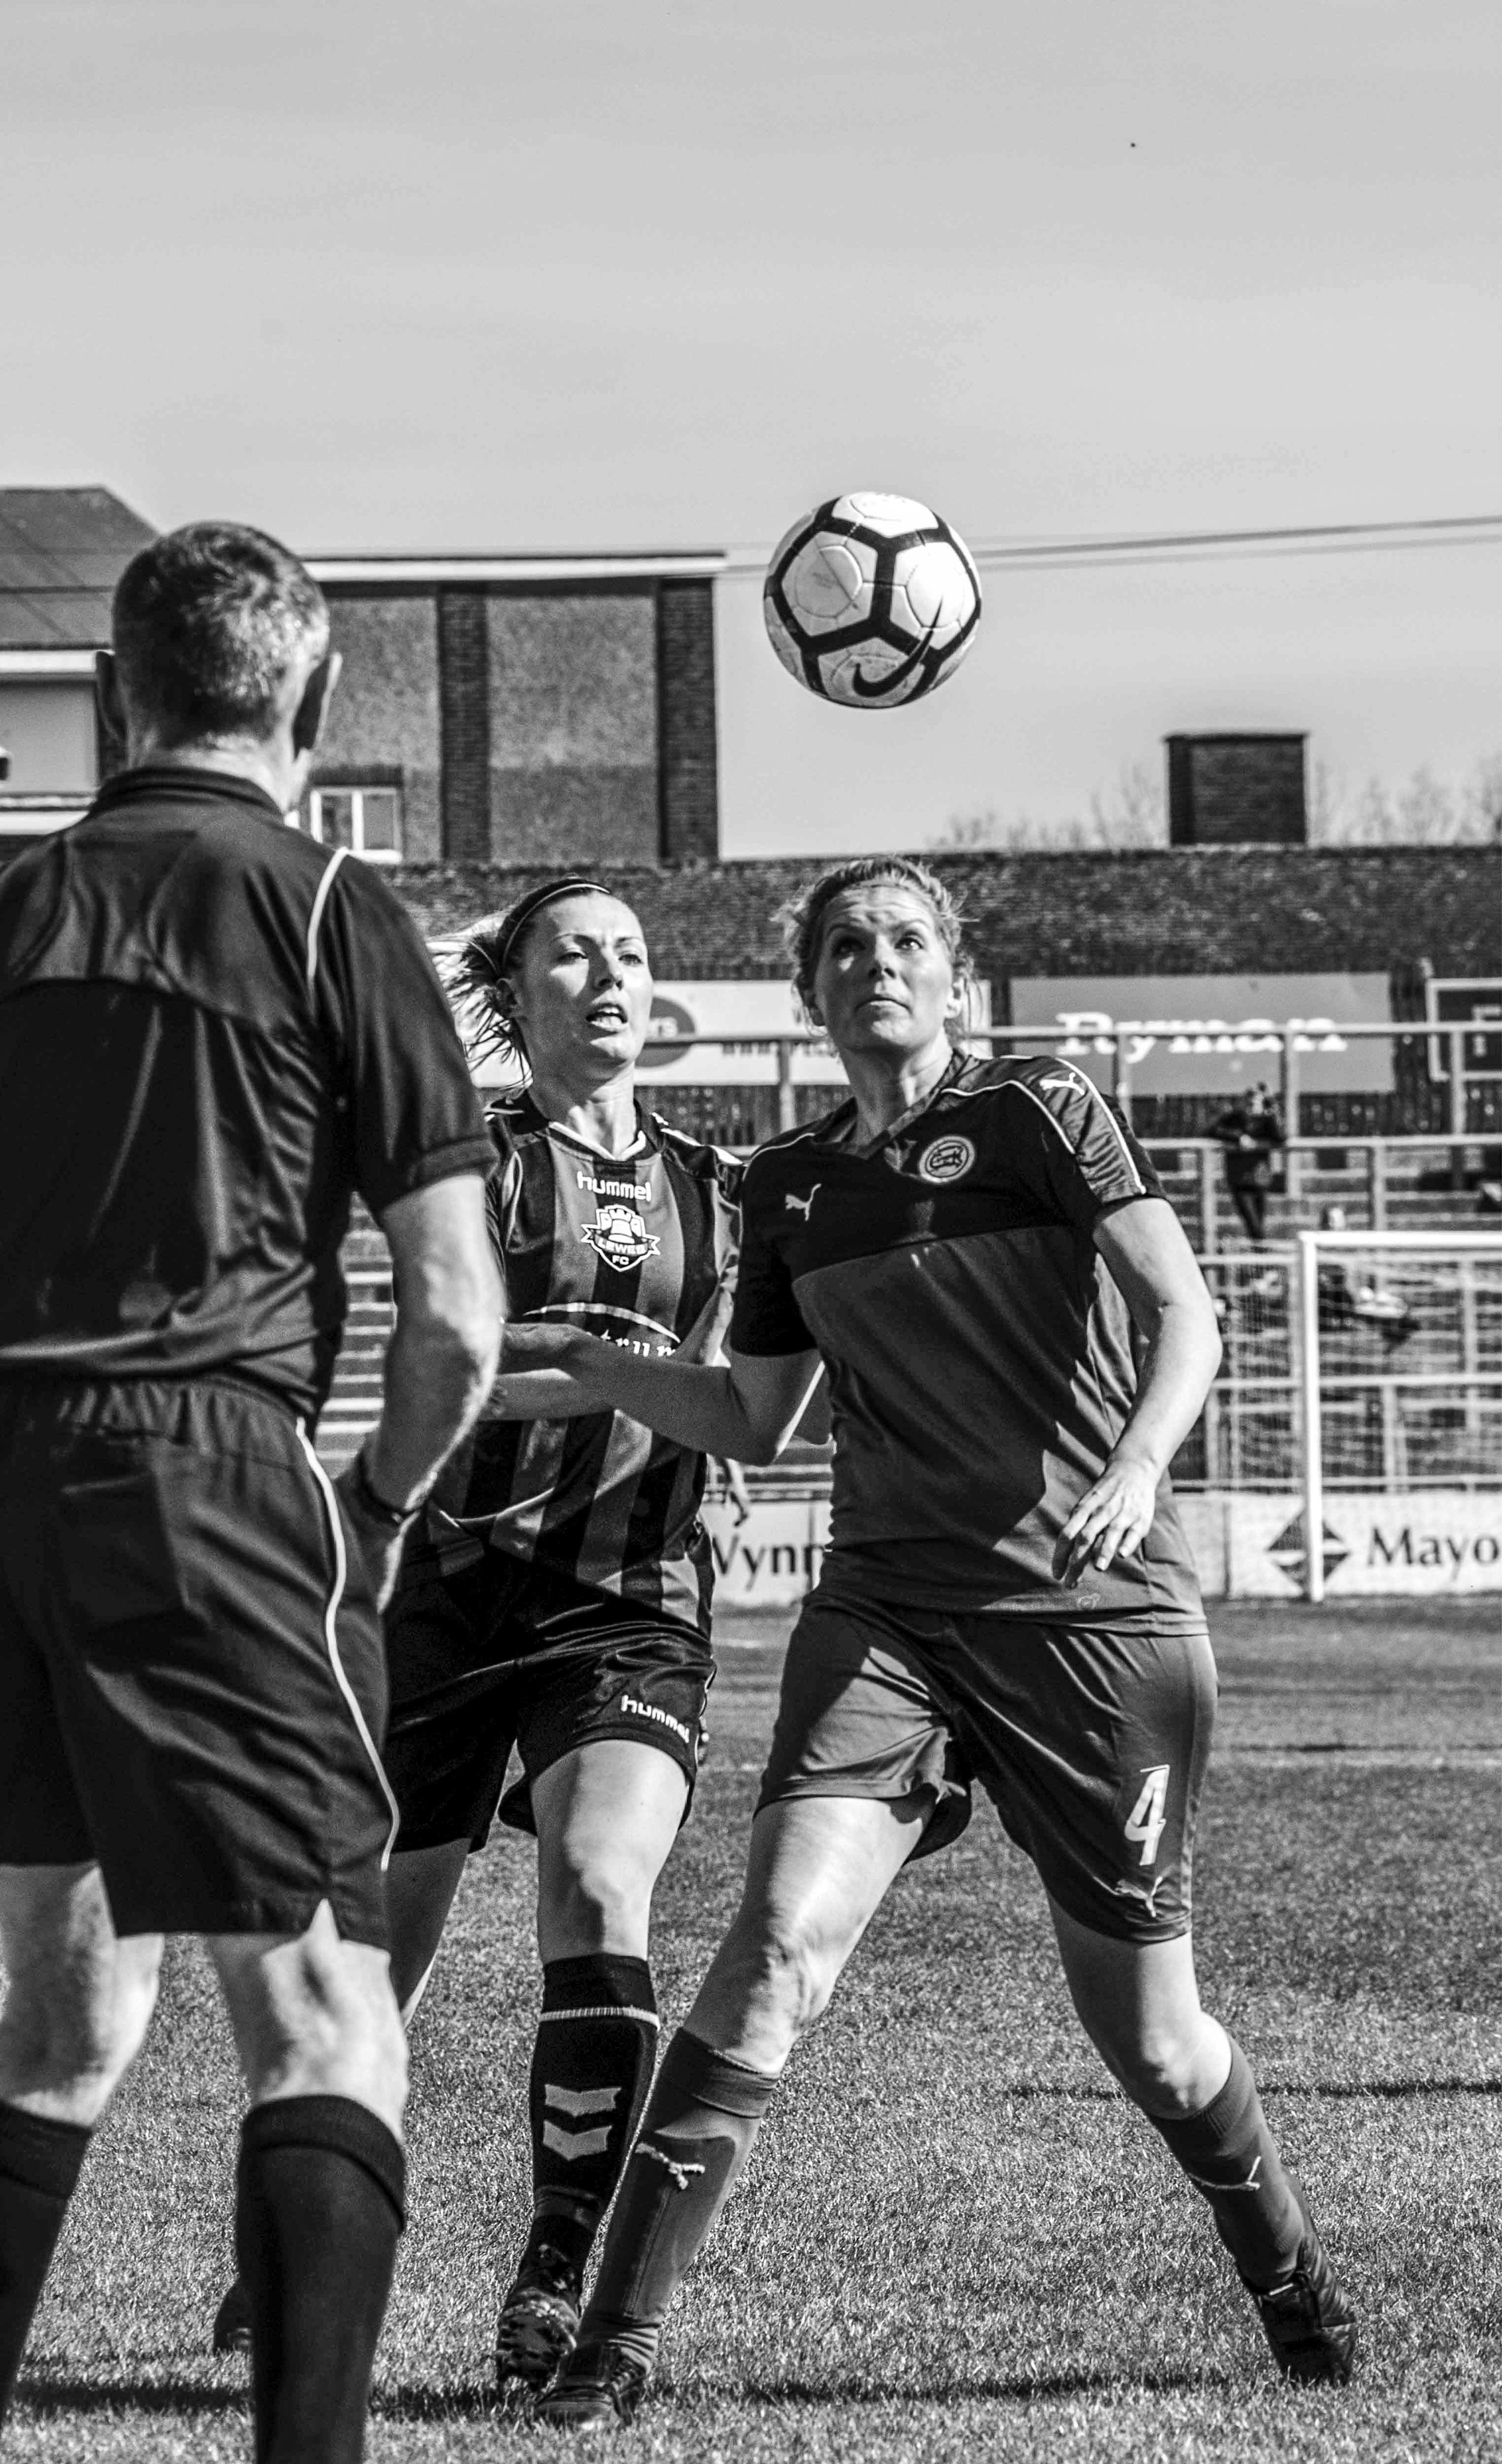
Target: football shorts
[[192, 1677], [504, 1654], [1091, 1740]]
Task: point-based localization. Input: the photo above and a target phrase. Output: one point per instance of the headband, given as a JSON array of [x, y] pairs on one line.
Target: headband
[[521, 914]]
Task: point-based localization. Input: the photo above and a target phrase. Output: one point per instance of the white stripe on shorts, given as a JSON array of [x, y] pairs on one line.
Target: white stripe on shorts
[[331, 1636]]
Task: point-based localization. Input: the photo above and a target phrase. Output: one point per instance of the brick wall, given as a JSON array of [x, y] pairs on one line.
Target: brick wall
[[687, 747], [1236, 790], [384, 717], [464, 708], [572, 684]]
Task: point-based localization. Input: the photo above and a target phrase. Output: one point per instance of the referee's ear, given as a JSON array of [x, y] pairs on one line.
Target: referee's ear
[[111, 701], [307, 722]]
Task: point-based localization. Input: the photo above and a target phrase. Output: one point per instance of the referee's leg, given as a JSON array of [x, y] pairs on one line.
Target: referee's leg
[[76, 2008], [322, 2177]]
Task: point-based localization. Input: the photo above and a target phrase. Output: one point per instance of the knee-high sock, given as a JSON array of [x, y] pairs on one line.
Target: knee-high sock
[[699, 2129], [591, 2067], [322, 2188], [39, 2165], [1232, 2158]]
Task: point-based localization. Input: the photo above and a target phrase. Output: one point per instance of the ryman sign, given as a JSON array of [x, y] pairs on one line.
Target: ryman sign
[[1210, 1035]]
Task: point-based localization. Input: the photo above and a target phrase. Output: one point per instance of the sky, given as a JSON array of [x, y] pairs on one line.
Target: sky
[[476, 275]]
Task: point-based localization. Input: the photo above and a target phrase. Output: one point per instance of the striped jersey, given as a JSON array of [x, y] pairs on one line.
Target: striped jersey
[[979, 1356], [641, 1250]]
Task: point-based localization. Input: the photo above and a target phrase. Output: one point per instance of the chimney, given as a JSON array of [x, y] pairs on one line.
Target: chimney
[[1236, 791]]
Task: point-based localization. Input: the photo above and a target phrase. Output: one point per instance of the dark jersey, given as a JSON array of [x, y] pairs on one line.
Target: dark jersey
[[637, 1249], [979, 1355], [211, 1031]]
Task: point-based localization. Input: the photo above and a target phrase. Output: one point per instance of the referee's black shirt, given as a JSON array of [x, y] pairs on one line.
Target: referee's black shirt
[[211, 1031]]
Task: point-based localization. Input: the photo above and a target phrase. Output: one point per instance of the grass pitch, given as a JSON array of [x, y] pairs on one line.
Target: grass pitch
[[956, 2239]]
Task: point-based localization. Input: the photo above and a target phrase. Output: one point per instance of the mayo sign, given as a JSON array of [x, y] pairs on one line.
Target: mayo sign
[[1212, 1035], [721, 1017]]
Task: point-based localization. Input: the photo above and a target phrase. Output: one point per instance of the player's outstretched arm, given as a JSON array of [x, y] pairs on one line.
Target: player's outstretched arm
[[747, 1411], [1155, 1268], [442, 1355]]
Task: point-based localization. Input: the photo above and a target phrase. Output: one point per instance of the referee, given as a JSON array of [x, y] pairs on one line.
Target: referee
[[213, 1032]]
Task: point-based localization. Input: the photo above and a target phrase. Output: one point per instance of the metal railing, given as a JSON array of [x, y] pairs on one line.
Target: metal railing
[[1116, 1045]]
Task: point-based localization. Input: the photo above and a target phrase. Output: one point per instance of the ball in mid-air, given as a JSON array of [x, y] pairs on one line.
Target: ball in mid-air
[[872, 601]]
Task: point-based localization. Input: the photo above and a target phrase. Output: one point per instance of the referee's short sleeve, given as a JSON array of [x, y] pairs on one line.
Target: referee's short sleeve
[[414, 1117], [1076, 1149], [766, 1320]]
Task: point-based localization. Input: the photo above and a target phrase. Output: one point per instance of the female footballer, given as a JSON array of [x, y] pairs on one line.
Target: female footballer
[[969, 1248], [555, 1593]]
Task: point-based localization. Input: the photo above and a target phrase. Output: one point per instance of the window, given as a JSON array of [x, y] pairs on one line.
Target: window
[[47, 728], [366, 819]]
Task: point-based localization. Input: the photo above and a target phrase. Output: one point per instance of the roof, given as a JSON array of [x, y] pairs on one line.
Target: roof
[[525, 566], [62, 550]]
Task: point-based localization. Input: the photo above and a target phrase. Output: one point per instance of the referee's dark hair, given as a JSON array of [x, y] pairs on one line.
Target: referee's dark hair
[[210, 622]]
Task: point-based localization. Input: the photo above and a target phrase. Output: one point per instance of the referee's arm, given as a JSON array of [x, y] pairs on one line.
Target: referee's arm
[[447, 1340], [439, 1363]]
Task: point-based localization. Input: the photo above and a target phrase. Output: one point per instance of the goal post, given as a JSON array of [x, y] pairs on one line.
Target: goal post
[[1398, 1367]]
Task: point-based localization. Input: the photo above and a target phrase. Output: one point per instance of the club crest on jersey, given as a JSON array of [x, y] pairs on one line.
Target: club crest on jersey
[[946, 1159], [620, 1237]]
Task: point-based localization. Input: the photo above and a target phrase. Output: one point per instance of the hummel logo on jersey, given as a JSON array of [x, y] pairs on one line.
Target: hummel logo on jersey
[[803, 1206], [619, 1236], [614, 1188], [946, 1159]]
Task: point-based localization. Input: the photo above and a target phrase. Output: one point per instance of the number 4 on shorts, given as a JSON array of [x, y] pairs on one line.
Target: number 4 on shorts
[[1146, 1819]]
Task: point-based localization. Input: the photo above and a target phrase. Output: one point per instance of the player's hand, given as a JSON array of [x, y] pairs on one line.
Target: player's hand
[[1111, 1521], [379, 1546]]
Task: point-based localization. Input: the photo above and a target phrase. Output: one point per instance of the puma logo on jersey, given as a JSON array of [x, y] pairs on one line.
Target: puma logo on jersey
[[1071, 1086], [803, 1206]]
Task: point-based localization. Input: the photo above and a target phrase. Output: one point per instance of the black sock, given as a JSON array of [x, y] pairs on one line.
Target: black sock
[[699, 2131], [39, 2164], [1232, 2158], [322, 2188], [591, 2067]]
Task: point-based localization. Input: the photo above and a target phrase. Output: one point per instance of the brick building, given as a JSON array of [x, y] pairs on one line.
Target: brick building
[[522, 709], [507, 710]]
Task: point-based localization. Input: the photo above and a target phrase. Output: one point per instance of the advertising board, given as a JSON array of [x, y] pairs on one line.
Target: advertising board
[[1212, 1035], [1431, 1544]]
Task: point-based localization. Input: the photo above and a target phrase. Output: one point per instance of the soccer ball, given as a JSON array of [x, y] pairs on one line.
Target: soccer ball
[[872, 601]]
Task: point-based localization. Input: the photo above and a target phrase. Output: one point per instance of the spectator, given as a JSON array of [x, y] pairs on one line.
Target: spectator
[[1249, 1130]]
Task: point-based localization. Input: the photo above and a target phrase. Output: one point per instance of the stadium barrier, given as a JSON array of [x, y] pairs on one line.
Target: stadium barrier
[[1361, 1393]]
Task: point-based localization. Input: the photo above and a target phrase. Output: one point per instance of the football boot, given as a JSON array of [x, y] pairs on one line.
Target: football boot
[[1308, 2321], [599, 2386], [538, 2318]]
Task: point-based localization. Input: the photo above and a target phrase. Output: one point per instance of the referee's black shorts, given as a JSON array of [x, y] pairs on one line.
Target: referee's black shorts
[[192, 1686]]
